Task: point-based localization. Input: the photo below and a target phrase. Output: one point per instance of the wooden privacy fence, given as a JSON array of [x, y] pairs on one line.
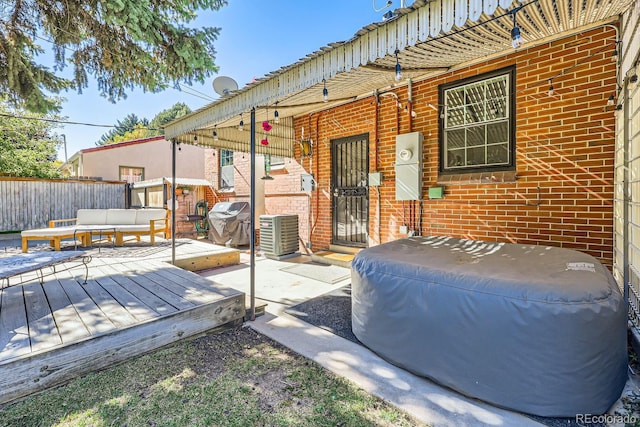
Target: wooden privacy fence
[[27, 203]]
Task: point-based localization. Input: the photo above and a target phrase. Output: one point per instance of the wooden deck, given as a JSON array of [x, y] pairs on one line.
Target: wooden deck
[[133, 302]]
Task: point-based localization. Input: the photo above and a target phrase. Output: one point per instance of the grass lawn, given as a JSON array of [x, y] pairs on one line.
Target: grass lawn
[[234, 378]]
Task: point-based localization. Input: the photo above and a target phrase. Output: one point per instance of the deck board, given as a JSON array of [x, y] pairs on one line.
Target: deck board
[[150, 299], [92, 317], [14, 331], [160, 291], [43, 332], [134, 306], [156, 274], [132, 302], [70, 325]]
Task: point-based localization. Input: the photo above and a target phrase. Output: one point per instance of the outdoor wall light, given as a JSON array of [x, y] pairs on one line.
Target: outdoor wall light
[[398, 67], [325, 91]]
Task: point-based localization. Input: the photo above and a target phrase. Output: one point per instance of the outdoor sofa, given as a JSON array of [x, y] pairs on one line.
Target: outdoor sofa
[[105, 222]]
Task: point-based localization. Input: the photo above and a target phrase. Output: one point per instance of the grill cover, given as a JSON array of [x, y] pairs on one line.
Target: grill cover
[[229, 223], [538, 329]]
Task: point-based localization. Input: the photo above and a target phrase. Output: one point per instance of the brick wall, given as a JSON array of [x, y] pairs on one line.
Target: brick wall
[[563, 194], [282, 195]]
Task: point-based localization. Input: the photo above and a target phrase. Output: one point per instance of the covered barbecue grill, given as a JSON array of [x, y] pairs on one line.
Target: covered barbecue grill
[[229, 223]]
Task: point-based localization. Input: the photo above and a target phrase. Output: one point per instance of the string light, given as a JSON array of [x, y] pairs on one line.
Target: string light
[[614, 55], [241, 124], [276, 115], [633, 78], [611, 100], [325, 91], [215, 132], [551, 91], [195, 138], [398, 67], [516, 39]]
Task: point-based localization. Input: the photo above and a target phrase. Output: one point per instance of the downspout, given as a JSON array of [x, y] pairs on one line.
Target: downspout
[[618, 51], [376, 141], [626, 196], [397, 109], [410, 104], [625, 164], [397, 127], [410, 119]]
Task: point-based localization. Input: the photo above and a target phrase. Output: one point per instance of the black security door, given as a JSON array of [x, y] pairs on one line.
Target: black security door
[[350, 195]]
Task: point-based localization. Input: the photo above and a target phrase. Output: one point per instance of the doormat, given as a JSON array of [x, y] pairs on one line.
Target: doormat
[[331, 312], [325, 273]]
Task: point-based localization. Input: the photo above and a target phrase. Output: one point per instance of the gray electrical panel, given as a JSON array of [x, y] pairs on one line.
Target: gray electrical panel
[[409, 166]]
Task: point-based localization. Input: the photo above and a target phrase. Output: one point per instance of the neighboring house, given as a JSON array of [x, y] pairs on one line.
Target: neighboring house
[[138, 160]]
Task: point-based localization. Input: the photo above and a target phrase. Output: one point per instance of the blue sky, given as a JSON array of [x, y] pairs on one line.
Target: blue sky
[[256, 37]]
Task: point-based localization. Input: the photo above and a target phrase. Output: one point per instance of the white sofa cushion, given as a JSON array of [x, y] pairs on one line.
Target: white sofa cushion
[[91, 217], [144, 216], [121, 216], [52, 231]]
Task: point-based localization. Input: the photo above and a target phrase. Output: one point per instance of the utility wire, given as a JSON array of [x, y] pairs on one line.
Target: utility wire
[[65, 122]]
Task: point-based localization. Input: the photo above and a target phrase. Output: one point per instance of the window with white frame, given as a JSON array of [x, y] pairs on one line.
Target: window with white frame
[[131, 174], [477, 123], [226, 169]]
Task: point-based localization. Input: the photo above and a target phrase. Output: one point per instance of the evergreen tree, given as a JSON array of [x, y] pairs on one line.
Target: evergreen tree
[[128, 124], [120, 43], [178, 109], [131, 127], [28, 147]]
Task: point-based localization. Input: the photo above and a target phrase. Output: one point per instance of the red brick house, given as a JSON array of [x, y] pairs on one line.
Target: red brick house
[[476, 139]]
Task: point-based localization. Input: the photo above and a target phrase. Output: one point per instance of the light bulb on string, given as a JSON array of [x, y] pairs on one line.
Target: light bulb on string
[[325, 91], [398, 67], [516, 38], [551, 91]]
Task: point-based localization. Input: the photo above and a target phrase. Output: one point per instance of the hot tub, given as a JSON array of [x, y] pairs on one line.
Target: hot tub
[[537, 329]]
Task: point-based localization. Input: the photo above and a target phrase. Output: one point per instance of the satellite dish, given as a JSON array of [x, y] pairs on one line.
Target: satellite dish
[[224, 85]]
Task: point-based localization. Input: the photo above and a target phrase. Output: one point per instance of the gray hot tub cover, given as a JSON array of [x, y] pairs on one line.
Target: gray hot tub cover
[[537, 329]]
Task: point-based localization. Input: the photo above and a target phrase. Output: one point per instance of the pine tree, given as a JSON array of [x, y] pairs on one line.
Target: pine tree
[[122, 44], [122, 127]]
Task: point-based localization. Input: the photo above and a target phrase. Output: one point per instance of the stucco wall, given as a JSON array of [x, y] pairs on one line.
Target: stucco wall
[[154, 156]]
